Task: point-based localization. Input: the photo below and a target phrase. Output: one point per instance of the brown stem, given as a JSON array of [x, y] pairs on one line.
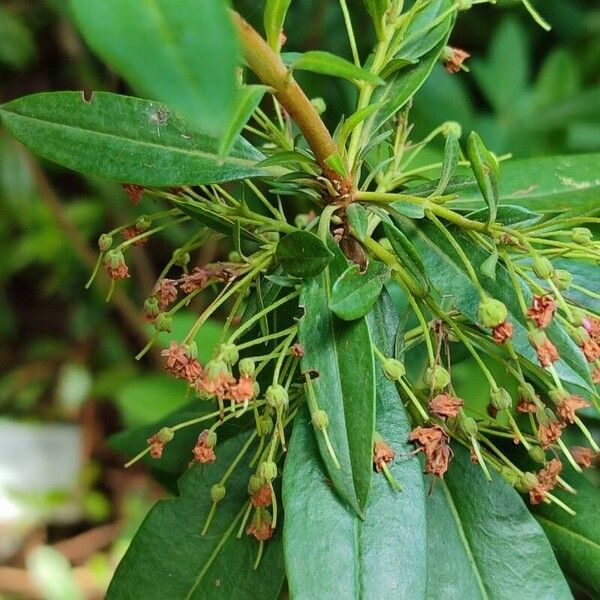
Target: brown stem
[[269, 68]]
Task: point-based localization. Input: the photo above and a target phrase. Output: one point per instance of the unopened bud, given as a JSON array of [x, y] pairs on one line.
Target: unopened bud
[[526, 482], [385, 244], [143, 223], [217, 492], [181, 258], [537, 454], [267, 471], [438, 377], [163, 322], [210, 438], [271, 236], [214, 368], [105, 242], [393, 369], [254, 484], [266, 425], [319, 105], [276, 396], [165, 435], [509, 475], [452, 128], [301, 220], [229, 353], [191, 350], [467, 425], [500, 399], [320, 419], [491, 312], [581, 235], [151, 309], [543, 268], [557, 396], [563, 279], [247, 367]]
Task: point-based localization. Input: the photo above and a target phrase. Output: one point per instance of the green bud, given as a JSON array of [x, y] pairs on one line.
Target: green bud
[[301, 220], [393, 369], [165, 435], [143, 223], [527, 392], [526, 482], [247, 367], [254, 484], [276, 396], [563, 279], [181, 258], [437, 378], [151, 309], [467, 425], [267, 471], [385, 244], [491, 312], [217, 492], [215, 367], [114, 258], [105, 242], [211, 439], [192, 350], [581, 235], [163, 322], [500, 399], [320, 419], [557, 396], [229, 353], [537, 454], [579, 315], [319, 105], [452, 128], [509, 475], [234, 257], [543, 268], [271, 236], [266, 425], [256, 389]]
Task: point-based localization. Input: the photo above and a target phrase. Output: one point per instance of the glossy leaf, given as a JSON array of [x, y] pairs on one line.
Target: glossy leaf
[[449, 164], [585, 275], [168, 51], [302, 254], [483, 543], [486, 170], [354, 293], [358, 219], [273, 19], [575, 540], [248, 99], [507, 215], [124, 139], [168, 558], [550, 184], [355, 119], [340, 353], [446, 273], [330, 552], [326, 63]]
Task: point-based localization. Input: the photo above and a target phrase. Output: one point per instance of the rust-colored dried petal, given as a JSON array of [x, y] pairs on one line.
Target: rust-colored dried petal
[[445, 405], [542, 310], [502, 332]]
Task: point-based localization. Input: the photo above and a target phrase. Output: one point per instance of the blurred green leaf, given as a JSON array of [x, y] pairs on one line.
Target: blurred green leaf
[[17, 46], [273, 19]]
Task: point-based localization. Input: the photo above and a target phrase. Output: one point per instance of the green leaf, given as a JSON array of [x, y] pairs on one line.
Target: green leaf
[[168, 558], [167, 51], [507, 215], [358, 219], [483, 542], [124, 139], [336, 163], [354, 293], [488, 266], [550, 184], [332, 553], [17, 46], [302, 254], [408, 256], [248, 99], [449, 164], [355, 119], [273, 19], [326, 63], [377, 8], [486, 170], [575, 540], [585, 275], [340, 353], [447, 275]]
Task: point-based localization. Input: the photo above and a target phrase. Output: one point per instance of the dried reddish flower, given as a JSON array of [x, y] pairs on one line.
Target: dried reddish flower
[[243, 390], [473, 456], [549, 433], [180, 364], [156, 446], [165, 291], [204, 449], [262, 531], [298, 350], [526, 406], [566, 409], [546, 351], [454, 59], [196, 280], [134, 192], [434, 443], [547, 478], [503, 332], [382, 454], [596, 374], [542, 310], [590, 349], [131, 232], [116, 267], [583, 456], [218, 384], [262, 496], [445, 405]]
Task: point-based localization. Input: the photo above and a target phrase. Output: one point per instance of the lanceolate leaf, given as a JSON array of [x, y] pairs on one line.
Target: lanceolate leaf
[[376, 9], [446, 273], [449, 164], [182, 53], [325, 63], [330, 552], [340, 353], [124, 139], [302, 254], [575, 540], [550, 185], [354, 293], [358, 219], [273, 18], [486, 170], [169, 558], [483, 543]]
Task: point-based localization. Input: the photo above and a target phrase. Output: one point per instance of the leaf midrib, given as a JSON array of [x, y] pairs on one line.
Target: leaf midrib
[[570, 532], [465, 541], [199, 153]]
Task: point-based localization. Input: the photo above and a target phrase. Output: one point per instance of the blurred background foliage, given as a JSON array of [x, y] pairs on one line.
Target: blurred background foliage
[[68, 379]]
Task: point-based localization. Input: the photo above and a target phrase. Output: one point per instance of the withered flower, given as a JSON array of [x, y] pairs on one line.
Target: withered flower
[[180, 363], [134, 192], [542, 310], [503, 332], [583, 456], [547, 479], [165, 291], [566, 409], [433, 441], [445, 405], [382, 454], [453, 59], [204, 449], [243, 390]]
